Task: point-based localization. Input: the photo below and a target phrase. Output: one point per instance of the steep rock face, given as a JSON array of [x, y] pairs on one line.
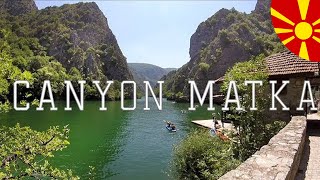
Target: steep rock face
[[263, 9], [78, 36], [17, 7], [207, 30], [221, 41]]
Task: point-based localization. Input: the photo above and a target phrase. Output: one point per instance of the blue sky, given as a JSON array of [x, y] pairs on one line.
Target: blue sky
[[157, 32]]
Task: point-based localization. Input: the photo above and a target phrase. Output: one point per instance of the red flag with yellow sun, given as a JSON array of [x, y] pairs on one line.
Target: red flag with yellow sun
[[297, 23]]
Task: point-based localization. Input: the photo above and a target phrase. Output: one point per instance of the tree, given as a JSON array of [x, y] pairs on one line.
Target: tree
[[10, 73], [204, 66], [255, 127], [23, 151], [201, 156], [55, 73]]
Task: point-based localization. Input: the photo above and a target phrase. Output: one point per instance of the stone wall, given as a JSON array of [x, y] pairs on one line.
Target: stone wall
[[293, 94], [290, 96], [279, 159]]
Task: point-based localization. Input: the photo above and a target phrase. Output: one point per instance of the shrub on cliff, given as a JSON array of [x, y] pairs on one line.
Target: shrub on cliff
[[201, 156], [204, 66]]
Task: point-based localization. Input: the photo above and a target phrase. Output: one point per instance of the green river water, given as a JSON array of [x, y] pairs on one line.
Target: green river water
[[119, 144]]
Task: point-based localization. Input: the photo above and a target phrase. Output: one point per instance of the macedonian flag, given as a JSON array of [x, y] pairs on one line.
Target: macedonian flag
[[297, 23]]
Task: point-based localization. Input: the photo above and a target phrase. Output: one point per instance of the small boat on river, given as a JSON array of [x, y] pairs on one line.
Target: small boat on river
[[170, 126], [171, 129]]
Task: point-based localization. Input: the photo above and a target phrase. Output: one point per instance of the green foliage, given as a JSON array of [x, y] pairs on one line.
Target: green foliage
[[147, 72], [92, 173], [25, 44], [252, 70], [5, 107], [201, 156], [168, 94], [27, 41], [204, 66], [55, 73], [225, 38], [9, 74], [114, 92], [24, 152], [179, 94], [23, 58], [256, 128]]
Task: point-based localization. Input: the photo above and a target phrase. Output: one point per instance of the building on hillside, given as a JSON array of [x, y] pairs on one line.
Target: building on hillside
[[288, 66]]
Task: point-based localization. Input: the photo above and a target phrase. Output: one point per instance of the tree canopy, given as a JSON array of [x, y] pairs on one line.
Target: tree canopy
[[255, 126]]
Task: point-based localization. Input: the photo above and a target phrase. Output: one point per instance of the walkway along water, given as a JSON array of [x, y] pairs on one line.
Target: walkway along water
[[292, 154], [309, 168]]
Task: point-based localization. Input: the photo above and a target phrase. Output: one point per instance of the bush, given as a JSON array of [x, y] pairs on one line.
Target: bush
[[201, 156], [224, 37], [256, 127], [204, 66], [179, 95]]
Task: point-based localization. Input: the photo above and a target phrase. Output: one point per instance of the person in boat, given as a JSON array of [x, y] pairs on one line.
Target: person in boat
[[173, 127], [169, 124]]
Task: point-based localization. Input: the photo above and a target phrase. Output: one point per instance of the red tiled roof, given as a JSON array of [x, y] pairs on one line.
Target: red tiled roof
[[288, 63]]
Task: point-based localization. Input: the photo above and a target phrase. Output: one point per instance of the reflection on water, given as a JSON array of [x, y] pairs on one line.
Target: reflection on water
[[119, 144]]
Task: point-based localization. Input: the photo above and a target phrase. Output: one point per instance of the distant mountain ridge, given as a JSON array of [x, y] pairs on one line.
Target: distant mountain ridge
[[147, 72], [170, 69]]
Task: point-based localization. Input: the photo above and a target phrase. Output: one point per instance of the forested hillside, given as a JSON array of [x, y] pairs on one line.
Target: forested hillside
[[72, 42], [219, 42]]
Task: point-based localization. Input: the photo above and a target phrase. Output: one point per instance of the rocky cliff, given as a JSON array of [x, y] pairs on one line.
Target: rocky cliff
[[17, 7], [222, 40], [81, 38], [71, 42], [77, 35]]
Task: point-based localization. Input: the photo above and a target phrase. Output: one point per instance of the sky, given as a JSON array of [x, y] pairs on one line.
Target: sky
[[157, 32]]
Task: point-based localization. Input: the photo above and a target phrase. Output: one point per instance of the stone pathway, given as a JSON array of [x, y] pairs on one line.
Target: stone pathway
[[309, 168]]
